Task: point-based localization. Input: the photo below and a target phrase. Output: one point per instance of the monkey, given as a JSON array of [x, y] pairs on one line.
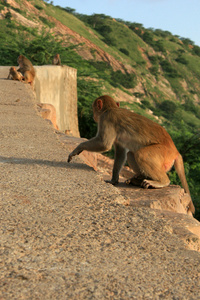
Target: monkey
[[26, 68], [48, 112], [56, 60], [146, 145], [14, 75], [69, 132]]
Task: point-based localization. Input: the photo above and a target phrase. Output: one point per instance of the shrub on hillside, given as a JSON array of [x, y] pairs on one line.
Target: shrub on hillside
[[148, 38], [47, 22], [168, 108], [153, 59], [168, 68], [110, 41], [126, 80], [182, 60], [38, 7], [125, 51], [190, 106], [154, 70], [196, 50], [159, 46]]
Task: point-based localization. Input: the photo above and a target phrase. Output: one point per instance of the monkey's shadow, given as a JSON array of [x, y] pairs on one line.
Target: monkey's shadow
[[51, 163]]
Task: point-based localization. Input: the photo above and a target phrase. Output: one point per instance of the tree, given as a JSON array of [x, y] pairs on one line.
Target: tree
[[196, 50], [96, 19], [148, 37], [70, 10], [187, 41]]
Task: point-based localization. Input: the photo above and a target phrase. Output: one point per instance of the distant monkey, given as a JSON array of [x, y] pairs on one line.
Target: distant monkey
[[68, 132], [26, 68], [48, 112], [14, 75], [146, 146], [56, 60]]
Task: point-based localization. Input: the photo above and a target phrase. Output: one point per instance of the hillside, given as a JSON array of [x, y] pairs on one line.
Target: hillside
[[164, 67], [150, 71]]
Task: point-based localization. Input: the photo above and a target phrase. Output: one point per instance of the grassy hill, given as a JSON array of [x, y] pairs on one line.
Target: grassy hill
[[150, 71]]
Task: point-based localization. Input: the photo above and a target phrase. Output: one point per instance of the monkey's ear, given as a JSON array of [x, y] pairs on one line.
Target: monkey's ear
[[117, 104], [99, 104]]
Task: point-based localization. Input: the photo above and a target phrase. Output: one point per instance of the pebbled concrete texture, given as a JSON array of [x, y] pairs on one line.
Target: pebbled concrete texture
[[64, 233]]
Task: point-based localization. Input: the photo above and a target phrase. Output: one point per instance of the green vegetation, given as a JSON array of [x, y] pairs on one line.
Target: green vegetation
[[152, 65], [189, 147], [40, 50], [46, 22]]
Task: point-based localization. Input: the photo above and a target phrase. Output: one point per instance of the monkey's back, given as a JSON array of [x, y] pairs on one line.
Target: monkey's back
[[26, 65], [141, 130]]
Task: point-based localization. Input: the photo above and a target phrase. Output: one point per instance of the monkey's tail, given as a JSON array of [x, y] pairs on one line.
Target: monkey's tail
[[179, 167]]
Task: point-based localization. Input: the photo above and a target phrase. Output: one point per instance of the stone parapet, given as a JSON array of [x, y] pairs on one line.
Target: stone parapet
[[57, 85]]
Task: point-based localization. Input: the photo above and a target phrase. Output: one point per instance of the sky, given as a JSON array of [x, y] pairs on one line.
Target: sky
[[180, 17]]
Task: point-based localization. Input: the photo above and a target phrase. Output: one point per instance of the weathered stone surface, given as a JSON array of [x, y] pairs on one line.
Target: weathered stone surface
[[187, 228], [71, 142], [171, 199]]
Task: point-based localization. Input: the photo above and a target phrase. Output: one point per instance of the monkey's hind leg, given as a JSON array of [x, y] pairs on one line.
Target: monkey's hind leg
[[137, 178], [28, 78], [151, 161], [154, 184], [136, 181]]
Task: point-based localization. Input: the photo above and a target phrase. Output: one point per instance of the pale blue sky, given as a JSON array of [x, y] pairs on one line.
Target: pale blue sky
[[180, 17]]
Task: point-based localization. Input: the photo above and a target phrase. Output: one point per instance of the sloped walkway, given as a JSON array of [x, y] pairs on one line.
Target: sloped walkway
[[64, 233]]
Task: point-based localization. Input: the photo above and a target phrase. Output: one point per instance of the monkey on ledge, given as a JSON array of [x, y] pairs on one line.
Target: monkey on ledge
[[26, 68], [147, 147]]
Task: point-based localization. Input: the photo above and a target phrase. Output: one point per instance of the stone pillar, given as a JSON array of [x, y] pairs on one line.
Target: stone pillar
[[57, 85]]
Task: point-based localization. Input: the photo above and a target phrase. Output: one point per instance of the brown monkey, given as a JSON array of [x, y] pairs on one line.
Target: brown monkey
[[14, 75], [48, 112], [56, 60], [145, 144], [26, 68]]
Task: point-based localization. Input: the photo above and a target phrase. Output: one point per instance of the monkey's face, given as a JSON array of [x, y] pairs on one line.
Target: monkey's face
[[13, 70], [20, 59]]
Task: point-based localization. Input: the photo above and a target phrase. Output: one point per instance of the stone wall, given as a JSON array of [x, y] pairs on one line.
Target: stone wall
[[57, 85]]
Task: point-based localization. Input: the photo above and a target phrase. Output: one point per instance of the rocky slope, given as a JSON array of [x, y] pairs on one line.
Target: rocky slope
[[38, 14]]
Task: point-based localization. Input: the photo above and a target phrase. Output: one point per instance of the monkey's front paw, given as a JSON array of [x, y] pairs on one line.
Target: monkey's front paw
[[115, 182], [69, 158]]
